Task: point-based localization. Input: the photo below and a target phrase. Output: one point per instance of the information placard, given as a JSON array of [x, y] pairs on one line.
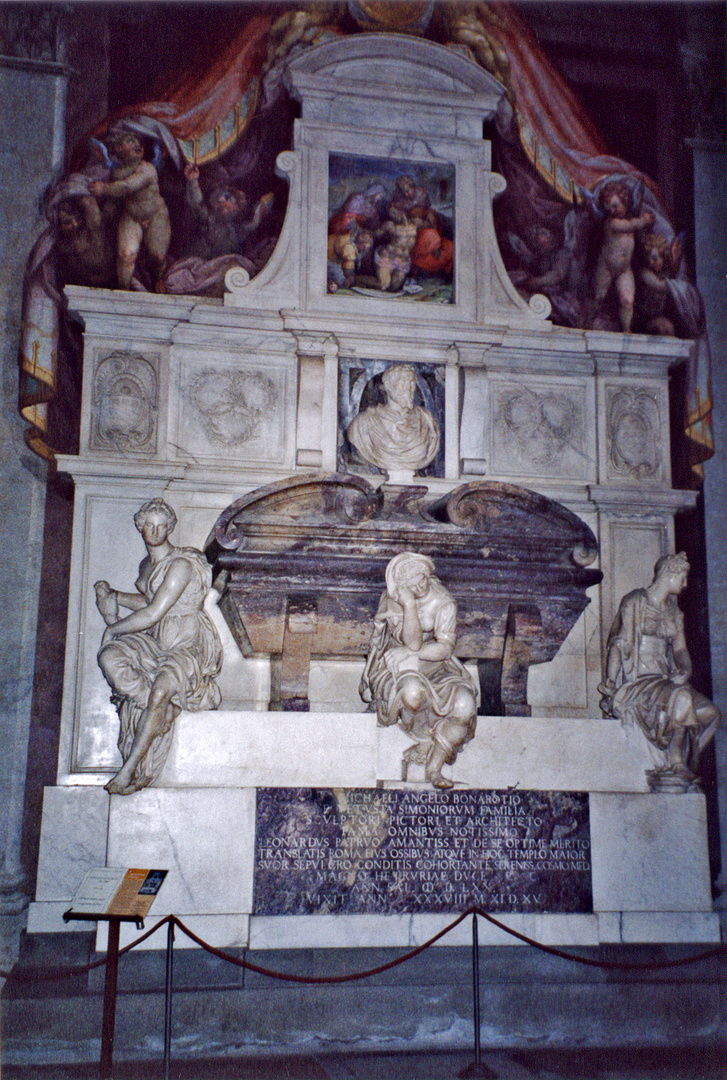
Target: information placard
[[370, 851], [111, 893]]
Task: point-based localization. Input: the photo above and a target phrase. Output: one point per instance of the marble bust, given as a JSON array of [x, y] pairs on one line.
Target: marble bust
[[397, 436]]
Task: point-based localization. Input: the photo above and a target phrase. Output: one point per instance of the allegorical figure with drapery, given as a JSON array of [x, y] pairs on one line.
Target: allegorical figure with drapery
[[165, 655], [648, 672], [412, 676]]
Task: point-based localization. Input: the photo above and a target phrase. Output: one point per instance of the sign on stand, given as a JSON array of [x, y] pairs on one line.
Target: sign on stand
[[114, 896], [107, 893]]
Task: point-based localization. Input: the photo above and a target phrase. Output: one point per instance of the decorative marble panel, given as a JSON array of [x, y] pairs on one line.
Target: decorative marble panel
[[203, 838], [230, 410], [124, 403], [538, 429], [633, 434], [649, 832], [629, 552], [74, 830]]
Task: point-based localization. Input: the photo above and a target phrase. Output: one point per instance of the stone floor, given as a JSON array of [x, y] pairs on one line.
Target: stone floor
[[217, 1022], [673, 1063]]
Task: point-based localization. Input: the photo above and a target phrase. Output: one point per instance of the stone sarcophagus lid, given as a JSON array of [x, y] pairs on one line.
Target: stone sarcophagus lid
[[300, 566]]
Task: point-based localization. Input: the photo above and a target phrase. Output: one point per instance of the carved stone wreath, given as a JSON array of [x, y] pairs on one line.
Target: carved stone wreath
[[541, 426], [230, 405]]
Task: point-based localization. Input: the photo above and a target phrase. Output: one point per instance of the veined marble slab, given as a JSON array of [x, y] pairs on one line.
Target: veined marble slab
[[222, 931], [254, 749], [280, 749], [73, 839], [203, 837], [650, 869], [409, 931], [641, 857]]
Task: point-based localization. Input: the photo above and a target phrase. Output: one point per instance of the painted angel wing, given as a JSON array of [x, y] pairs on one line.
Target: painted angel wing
[[591, 201], [676, 250], [637, 197], [520, 247], [103, 151]]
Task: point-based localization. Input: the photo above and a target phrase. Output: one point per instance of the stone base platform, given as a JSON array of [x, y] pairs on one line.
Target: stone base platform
[[649, 863]]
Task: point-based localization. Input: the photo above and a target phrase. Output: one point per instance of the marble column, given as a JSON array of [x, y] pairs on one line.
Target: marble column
[[32, 130]]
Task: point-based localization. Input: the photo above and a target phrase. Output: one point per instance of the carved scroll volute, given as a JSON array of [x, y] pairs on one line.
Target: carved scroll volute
[[510, 517], [472, 507], [340, 498], [350, 499]]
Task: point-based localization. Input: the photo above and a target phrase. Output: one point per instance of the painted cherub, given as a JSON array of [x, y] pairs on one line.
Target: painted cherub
[[660, 261], [552, 266], [222, 225], [620, 225], [300, 26], [144, 220], [470, 24], [83, 242]]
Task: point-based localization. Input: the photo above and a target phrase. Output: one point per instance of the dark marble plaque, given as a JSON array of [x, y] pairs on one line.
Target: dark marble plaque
[[367, 851]]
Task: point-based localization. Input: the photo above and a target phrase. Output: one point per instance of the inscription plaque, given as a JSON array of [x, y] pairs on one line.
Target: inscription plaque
[[368, 851]]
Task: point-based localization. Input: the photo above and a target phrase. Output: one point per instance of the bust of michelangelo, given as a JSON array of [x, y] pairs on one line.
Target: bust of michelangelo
[[397, 436]]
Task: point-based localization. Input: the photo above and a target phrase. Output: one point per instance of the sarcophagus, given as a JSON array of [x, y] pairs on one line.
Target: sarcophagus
[[305, 559]]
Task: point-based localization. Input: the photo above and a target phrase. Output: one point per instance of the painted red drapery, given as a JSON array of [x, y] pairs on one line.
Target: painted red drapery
[[205, 113]]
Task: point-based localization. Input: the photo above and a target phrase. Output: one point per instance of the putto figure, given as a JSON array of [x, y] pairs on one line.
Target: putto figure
[[144, 220], [412, 676], [165, 655], [648, 669], [397, 435], [620, 224]]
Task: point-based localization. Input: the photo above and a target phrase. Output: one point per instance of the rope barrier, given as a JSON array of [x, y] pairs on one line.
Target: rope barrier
[[49, 974], [314, 979], [611, 965]]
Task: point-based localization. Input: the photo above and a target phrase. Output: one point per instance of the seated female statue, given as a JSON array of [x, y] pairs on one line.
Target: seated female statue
[[648, 669], [412, 675], [165, 655]]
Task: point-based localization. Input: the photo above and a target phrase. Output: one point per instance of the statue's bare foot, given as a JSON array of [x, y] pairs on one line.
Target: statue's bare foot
[[409, 755], [439, 781], [121, 783]]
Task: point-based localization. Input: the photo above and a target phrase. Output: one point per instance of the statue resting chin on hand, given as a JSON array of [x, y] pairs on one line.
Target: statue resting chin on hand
[[412, 675], [648, 669], [165, 655]]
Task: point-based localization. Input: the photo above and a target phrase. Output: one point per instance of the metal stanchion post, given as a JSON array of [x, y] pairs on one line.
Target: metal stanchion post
[[477, 1068], [168, 999], [109, 1000]]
